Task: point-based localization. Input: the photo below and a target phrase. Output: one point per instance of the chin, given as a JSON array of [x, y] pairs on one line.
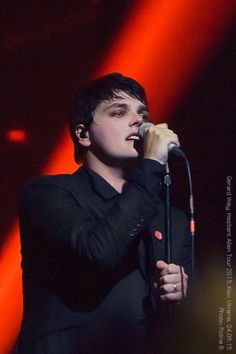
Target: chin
[[131, 159], [132, 155]]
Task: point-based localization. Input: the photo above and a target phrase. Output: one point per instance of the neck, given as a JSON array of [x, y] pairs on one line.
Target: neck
[[115, 175]]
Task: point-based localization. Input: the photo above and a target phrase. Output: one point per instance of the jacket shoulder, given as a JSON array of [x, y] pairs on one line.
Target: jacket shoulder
[[64, 181], [61, 179], [42, 189]]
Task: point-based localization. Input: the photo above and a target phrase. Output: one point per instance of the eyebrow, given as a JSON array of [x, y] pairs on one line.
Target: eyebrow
[[141, 107]]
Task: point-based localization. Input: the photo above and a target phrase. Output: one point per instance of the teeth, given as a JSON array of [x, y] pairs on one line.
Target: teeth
[[133, 137]]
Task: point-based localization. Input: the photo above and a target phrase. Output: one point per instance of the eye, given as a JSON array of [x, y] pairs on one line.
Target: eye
[[118, 114], [144, 116]]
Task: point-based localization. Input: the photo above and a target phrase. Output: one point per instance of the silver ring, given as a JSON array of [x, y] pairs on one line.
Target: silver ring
[[175, 287]]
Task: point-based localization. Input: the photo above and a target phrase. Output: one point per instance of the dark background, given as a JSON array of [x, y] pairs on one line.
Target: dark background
[[48, 53]]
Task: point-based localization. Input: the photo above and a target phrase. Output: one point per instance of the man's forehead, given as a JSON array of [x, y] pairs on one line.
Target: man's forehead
[[122, 98]]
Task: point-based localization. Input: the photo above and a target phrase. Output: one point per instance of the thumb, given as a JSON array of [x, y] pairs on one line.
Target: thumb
[[161, 264]]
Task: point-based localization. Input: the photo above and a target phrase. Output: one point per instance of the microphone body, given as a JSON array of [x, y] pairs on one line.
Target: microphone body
[[172, 148]]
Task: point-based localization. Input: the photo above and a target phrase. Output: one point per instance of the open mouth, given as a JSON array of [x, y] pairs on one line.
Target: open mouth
[[133, 137]]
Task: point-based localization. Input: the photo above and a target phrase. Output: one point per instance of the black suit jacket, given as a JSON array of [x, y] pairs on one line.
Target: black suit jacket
[[87, 258]]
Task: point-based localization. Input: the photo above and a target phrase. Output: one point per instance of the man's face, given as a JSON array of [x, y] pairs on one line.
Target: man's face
[[114, 130]]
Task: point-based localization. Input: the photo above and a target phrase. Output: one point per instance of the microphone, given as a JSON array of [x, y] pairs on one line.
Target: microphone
[[172, 148]]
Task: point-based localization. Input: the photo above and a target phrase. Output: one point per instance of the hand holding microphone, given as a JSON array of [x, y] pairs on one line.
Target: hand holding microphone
[[158, 141]]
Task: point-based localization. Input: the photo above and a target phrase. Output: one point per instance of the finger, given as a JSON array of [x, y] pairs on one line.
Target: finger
[[171, 269], [170, 288], [170, 279], [173, 278], [163, 133], [161, 264], [178, 290], [172, 296], [173, 288], [162, 125]]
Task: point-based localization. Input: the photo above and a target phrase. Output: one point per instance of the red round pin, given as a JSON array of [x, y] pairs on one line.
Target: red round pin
[[158, 235]]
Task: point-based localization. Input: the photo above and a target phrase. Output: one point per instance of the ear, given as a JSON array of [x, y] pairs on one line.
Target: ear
[[83, 135]]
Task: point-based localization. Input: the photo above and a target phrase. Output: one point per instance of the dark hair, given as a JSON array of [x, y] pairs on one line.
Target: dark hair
[[97, 91]]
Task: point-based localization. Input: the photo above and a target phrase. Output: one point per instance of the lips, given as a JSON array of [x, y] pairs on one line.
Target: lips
[[133, 137]]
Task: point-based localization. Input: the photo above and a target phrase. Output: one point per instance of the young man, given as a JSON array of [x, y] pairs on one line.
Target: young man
[[94, 274]]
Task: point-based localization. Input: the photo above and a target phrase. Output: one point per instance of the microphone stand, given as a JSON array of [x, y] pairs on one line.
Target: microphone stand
[[167, 183], [164, 324], [168, 233]]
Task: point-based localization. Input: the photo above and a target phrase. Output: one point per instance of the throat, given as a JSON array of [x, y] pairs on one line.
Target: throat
[[113, 178], [116, 182]]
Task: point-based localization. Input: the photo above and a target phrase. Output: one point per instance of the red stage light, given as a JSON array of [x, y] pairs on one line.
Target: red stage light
[[16, 135]]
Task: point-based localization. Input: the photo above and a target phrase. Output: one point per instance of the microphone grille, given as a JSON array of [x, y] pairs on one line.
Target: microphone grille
[[142, 128]]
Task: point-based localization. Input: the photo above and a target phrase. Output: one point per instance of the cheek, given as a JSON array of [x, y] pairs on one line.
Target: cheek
[[105, 137]]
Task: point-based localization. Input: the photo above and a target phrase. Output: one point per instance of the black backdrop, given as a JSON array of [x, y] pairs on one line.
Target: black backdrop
[[50, 51]]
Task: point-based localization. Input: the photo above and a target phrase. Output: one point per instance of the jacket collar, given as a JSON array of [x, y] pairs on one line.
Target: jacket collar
[[99, 184]]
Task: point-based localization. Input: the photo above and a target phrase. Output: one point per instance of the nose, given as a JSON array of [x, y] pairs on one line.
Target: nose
[[136, 119]]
